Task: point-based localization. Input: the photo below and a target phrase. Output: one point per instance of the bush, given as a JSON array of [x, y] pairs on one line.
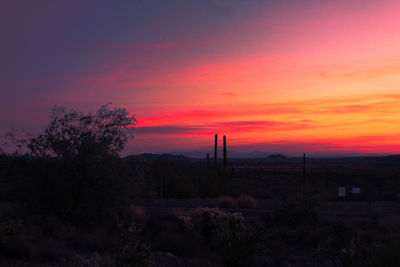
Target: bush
[[175, 234], [298, 210], [77, 173], [11, 244], [131, 251], [227, 234], [389, 254], [172, 179], [96, 239], [51, 250], [226, 202], [246, 202], [135, 253], [138, 216]]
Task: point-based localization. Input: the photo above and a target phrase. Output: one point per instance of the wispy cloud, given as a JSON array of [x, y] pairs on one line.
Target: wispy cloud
[[333, 121], [359, 72], [165, 45], [227, 126]]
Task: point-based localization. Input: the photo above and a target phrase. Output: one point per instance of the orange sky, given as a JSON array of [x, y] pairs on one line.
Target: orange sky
[[279, 76], [333, 80]]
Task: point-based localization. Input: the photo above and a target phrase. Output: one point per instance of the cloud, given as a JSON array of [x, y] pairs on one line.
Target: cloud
[[226, 126], [229, 94], [213, 113], [169, 130], [328, 146], [345, 109], [165, 45], [241, 126], [359, 72]]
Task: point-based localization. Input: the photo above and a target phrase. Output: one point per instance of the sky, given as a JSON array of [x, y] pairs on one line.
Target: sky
[[282, 76]]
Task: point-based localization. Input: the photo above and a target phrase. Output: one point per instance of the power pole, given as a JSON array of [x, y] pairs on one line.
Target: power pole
[[224, 152], [215, 149]]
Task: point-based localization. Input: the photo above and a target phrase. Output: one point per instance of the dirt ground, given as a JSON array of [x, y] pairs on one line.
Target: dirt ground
[[384, 211]]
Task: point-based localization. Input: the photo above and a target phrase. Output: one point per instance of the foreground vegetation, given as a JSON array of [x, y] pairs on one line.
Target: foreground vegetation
[[294, 234]]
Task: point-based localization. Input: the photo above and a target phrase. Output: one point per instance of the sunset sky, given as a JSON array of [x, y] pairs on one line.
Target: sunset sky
[[281, 76]]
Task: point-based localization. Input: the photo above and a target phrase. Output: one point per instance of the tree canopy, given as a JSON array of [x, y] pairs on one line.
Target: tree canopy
[[72, 133]]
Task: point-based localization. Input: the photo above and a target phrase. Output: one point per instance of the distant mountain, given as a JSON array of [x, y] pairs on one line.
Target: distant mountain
[[231, 154], [390, 158], [150, 156], [277, 156], [260, 155], [192, 154]]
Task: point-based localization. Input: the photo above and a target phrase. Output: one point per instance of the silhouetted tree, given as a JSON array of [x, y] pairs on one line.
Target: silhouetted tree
[[72, 133], [85, 174]]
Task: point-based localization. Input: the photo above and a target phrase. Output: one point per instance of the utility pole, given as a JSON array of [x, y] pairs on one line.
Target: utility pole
[[215, 149], [224, 152]]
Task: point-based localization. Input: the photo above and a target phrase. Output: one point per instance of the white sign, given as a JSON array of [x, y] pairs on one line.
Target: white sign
[[356, 190], [341, 191]]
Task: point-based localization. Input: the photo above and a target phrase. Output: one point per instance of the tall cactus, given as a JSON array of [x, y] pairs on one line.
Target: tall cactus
[[304, 170], [208, 159], [215, 149], [224, 152]]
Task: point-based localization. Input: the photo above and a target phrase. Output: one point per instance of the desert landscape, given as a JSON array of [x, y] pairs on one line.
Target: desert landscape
[[191, 133], [255, 212]]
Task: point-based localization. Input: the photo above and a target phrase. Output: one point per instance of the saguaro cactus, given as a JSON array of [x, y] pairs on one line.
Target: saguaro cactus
[[208, 159], [215, 149], [224, 152], [304, 169]]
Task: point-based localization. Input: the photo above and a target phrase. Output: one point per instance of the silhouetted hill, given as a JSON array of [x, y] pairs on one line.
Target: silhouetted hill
[[150, 156], [231, 154], [277, 156], [390, 158], [259, 155]]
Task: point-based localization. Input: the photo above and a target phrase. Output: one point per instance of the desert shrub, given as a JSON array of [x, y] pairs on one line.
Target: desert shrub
[[98, 260], [246, 202], [77, 173], [51, 250], [227, 234], [143, 184], [95, 239], [389, 255], [179, 186], [131, 251], [138, 216], [173, 180], [81, 193], [15, 249], [134, 253], [361, 250], [11, 231], [180, 243], [226, 202], [10, 228], [297, 210], [175, 234], [351, 244], [129, 223], [215, 182], [186, 179], [186, 223]]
